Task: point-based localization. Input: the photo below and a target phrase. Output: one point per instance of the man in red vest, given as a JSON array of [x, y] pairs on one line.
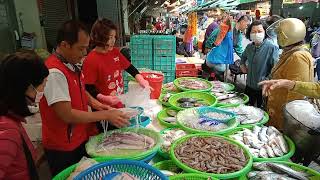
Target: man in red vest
[[66, 122]]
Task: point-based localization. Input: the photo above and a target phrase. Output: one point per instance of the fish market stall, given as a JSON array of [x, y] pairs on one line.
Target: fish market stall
[[189, 137]]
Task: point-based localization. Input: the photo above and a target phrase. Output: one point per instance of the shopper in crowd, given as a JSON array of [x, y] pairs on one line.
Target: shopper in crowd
[[104, 65], [270, 21], [22, 80], [257, 61], [296, 63], [66, 122], [216, 38], [188, 42], [315, 50], [309, 89]]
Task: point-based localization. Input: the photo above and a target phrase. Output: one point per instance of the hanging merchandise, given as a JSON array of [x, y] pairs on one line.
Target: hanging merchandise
[[193, 22]]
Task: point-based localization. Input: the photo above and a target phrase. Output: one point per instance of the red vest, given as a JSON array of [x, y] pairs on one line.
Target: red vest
[[56, 134]]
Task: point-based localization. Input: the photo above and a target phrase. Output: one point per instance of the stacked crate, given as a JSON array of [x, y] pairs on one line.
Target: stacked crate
[[164, 55]]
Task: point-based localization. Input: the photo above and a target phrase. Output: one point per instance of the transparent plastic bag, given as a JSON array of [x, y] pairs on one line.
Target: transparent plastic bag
[[83, 165], [304, 112], [135, 97]]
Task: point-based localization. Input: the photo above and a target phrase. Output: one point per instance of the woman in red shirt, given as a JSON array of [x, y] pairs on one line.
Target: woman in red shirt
[[104, 65], [22, 80]]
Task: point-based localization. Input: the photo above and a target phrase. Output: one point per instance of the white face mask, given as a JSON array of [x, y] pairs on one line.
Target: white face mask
[[39, 95], [257, 37], [33, 108]]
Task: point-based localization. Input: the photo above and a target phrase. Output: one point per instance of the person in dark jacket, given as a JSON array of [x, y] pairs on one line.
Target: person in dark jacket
[[22, 80]]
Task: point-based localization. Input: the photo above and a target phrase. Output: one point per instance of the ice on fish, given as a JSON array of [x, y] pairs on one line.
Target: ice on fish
[[247, 114]]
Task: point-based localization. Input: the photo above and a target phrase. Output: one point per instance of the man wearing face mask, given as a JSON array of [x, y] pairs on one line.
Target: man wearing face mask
[[66, 122], [257, 61]]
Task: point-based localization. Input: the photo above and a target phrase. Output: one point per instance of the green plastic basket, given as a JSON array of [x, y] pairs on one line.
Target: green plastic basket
[[285, 157], [63, 175], [165, 155], [176, 83], [188, 169], [168, 165], [314, 175], [264, 120], [163, 114], [191, 176], [206, 97], [245, 101], [229, 86], [91, 144], [167, 104], [232, 123]]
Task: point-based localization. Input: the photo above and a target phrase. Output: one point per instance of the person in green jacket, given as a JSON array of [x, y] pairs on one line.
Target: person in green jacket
[[309, 89]]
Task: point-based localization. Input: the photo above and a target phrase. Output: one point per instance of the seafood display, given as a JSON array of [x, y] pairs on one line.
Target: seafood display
[[120, 143], [211, 121], [263, 142], [191, 102], [193, 84], [83, 165], [229, 97], [166, 97], [211, 155], [170, 136], [170, 87], [220, 87], [172, 116], [247, 114], [270, 170]]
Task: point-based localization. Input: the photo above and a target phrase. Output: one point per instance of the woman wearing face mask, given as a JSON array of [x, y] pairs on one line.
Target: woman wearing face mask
[[22, 80], [257, 61]]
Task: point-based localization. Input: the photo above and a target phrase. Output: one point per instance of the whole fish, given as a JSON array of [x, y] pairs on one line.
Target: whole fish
[[263, 134], [262, 166], [282, 144], [287, 170], [269, 175]]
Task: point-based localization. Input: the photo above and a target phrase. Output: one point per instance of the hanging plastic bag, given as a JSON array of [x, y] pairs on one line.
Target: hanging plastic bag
[[222, 54], [136, 97]]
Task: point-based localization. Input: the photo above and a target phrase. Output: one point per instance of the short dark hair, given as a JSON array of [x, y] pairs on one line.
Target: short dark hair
[[272, 19], [244, 18], [17, 72], [69, 31], [100, 30], [256, 23]]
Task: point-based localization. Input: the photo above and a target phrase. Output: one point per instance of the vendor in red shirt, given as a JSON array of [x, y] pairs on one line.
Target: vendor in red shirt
[[22, 80], [67, 123], [104, 65]]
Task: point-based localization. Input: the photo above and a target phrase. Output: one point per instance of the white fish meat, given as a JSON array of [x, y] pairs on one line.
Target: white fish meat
[[263, 152], [282, 144], [289, 171], [270, 151], [263, 134], [256, 130]]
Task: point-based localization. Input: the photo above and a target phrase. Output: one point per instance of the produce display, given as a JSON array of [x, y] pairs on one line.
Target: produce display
[[169, 136], [247, 114], [83, 165], [211, 155], [229, 97], [119, 143], [263, 142], [191, 102], [210, 121], [272, 170]]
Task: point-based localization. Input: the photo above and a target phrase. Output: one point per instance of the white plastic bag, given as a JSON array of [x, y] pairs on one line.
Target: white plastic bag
[[304, 112]]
